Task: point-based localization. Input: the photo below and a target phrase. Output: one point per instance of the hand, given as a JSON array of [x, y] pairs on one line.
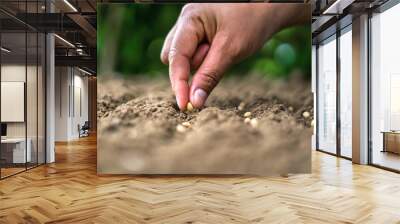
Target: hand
[[210, 38]]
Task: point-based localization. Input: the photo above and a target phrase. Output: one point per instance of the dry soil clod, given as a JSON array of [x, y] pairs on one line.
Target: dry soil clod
[[254, 122], [189, 107], [306, 114], [180, 128], [241, 106], [247, 114], [186, 124]]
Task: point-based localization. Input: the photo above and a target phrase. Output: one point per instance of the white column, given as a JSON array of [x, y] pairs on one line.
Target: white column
[[50, 93], [360, 90]]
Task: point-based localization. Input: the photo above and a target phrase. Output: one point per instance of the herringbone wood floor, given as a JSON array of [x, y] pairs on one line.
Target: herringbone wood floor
[[69, 191]]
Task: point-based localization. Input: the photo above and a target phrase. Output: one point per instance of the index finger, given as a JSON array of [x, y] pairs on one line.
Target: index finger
[[188, 35]]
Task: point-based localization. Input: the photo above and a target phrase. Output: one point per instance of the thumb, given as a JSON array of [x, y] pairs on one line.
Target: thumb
[[210, 72]]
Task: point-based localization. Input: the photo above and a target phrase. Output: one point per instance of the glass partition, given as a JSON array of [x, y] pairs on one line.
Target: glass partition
[[327, 95], [14, 153], [41, 96], [32, 85], [31, 99], [23, 89]]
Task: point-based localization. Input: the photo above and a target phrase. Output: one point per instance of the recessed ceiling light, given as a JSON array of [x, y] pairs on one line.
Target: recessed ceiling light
[[70, 5], [65, 41], [84, 71], [337, 7], [5, 50]]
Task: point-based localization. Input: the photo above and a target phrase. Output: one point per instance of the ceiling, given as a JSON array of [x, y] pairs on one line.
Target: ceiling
[[74, 21]]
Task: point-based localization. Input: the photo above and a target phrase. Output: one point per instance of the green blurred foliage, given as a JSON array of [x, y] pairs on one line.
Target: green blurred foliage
[[136, 33]]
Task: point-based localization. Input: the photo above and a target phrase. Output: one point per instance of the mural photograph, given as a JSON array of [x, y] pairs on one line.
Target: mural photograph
[[189, 89]]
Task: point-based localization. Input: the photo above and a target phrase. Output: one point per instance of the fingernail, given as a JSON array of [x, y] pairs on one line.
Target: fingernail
[[199, 98], [177, 102]]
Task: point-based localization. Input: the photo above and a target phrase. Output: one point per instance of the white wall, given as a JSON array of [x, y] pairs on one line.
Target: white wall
[[33, 126], [70, 83], [80, 89], [62, 81], [12, 73]]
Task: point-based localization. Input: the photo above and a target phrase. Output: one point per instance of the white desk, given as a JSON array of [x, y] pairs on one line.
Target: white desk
[[19, 149]]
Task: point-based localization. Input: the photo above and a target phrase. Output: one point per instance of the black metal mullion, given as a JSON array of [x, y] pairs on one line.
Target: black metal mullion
[[45, 94], [73, 92], [37, 90], [60, 88], [26, 87], [45, 88], [338, 98], [0, 96], [69, 92], [369, 90], [316, 97]]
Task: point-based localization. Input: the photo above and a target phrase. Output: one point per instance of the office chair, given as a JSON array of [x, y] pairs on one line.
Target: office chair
[[84, 130]]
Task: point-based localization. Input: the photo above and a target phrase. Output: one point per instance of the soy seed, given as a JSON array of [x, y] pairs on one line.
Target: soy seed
[[247, 114], [312, 123], [306, 114], [180, 128], [253, 122], [291, 109], [247, 120], [241, 106], [189, 107], [186, 124]]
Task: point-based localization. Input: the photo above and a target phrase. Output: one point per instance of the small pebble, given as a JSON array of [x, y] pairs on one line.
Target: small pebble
[[247, 114], [115, 121], [189, 107], [180, 128], [124, 109], [241, 106], [253, 122], [306, 114], [186, 124], [247, 120]]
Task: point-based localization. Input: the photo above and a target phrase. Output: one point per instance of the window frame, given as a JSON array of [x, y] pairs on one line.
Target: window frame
[[346, 23], [378, 10]]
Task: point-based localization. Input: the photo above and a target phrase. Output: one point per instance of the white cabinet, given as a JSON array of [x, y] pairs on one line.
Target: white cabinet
[[18, 149]]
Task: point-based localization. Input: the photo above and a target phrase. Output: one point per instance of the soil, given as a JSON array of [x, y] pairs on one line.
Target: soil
[[138, 118]]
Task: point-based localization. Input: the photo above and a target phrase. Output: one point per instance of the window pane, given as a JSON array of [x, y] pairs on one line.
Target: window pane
[[327, 96], [346, 94], [385, 86]]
